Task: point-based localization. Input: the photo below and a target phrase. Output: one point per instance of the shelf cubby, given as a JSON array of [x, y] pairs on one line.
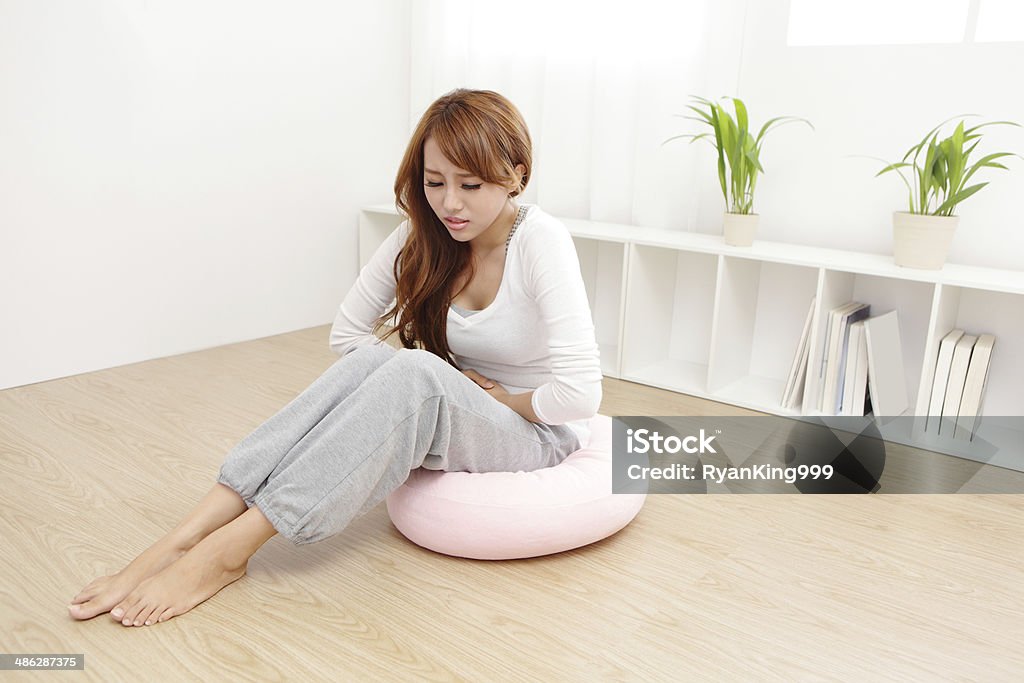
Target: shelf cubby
[[669, 306], [760, 308], [912, 299], [978, 311]]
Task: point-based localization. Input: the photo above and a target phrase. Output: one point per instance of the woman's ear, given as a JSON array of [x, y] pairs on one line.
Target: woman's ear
[[518, 185]]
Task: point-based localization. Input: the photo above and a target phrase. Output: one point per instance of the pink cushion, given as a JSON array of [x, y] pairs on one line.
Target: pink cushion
[[506, 515]]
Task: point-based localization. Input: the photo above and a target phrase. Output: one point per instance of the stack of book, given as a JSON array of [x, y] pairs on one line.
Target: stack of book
[[861, 368], [961, 372]]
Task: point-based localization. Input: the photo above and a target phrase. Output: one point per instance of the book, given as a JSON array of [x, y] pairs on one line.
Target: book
[[860, 405], [796, 397], [885, 365], [838, 372], [855, 378], [938, 393], [820, 379], [974, 387], [955, 384], [827, 354], [798, 371]]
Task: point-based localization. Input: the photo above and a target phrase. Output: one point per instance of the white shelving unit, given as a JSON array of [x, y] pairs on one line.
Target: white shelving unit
[[686, 312]]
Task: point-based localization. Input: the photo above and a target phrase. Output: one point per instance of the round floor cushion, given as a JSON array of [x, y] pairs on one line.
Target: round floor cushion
[[507, 515]]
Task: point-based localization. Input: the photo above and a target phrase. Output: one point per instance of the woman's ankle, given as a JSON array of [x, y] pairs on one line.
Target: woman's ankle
[[219, 507]]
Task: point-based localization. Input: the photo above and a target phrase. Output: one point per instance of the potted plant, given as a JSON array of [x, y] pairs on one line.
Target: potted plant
[[922, 235], [739, 162]]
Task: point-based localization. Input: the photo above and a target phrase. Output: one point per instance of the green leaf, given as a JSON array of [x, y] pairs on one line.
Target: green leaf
[[993, 123], [947, 207], [717, 125], [753, 155], [987, 162], [891, 167], [741, 115], [704, 116], [782, 121], [698, 120], [694, 138]]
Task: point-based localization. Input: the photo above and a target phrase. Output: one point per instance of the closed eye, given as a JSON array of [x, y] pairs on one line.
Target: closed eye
[[466, 187]]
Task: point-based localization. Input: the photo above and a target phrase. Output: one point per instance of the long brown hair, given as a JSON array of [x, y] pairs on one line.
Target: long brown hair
[[483, 133]]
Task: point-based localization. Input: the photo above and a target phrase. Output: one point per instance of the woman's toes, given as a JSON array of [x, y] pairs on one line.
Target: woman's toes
[[132, 613], [89, 608], [143, 615], [120, 611], [154, 616], [82, 610]]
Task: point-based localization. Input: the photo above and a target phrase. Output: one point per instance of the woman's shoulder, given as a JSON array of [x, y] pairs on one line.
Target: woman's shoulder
[[537, 218], [544, 244], [539, 228], [401, 233], [396, 241]]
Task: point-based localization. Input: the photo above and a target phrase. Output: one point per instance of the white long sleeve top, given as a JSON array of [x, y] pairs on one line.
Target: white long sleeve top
[[536, 335]]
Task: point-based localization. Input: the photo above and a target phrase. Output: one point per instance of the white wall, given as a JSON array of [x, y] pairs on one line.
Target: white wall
[[876, 101], [180, 175]]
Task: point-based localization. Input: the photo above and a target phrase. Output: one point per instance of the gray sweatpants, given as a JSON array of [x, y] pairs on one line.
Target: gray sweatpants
[[353, 436]]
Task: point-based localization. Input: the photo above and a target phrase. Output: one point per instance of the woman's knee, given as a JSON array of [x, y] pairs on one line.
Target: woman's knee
[[409, 365], [375, 351], [371, 355], [414, 359]]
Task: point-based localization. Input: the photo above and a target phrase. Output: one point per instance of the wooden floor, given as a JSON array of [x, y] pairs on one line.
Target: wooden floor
[[720, 587]]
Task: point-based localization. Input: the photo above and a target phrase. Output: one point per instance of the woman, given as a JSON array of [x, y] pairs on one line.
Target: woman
[[499, 370]]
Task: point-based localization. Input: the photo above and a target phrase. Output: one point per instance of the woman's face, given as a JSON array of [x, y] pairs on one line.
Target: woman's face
[[465, 204]]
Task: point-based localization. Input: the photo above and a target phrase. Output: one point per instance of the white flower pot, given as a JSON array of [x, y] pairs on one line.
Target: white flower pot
[[921, 241], [739, 228]]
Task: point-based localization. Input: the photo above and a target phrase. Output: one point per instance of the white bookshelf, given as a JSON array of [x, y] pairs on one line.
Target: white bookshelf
[[687, 312]]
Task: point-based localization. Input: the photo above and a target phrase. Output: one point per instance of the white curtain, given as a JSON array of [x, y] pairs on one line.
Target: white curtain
[[598, 84]]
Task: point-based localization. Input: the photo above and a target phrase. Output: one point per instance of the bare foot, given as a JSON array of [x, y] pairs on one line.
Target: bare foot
[[217, 560], [105, 592], [219, 506], [190, 580]]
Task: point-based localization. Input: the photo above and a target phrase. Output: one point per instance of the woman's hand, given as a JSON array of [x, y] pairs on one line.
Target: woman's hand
[[492, 387], [521, 403]]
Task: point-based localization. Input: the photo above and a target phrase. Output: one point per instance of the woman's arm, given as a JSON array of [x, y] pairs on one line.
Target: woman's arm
[[553, 275], [369, 297], [521, 403]]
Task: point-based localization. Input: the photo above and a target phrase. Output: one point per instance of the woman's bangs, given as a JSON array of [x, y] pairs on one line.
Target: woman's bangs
[[467, 149]]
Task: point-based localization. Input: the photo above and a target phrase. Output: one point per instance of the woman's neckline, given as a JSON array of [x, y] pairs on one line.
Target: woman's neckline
[[472, 314]]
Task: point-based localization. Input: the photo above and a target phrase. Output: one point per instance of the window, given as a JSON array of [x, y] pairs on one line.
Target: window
[[1000, 20], [903, 22]]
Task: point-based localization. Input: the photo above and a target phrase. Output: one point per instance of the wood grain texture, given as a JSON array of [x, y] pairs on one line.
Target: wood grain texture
[[96, 466]]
